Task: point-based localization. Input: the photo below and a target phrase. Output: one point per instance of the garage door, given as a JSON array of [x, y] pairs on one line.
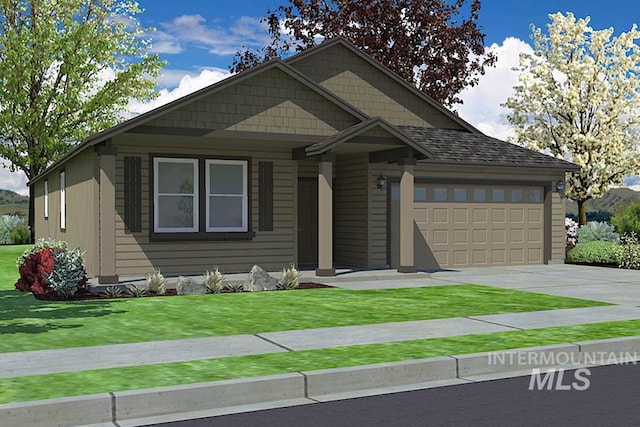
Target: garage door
[[472, 225]]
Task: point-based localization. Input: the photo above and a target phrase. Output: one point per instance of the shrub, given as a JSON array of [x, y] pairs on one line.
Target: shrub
[[156, 282], [628, 252], [113, 291], [20, 235], [572, 229], [135, 291], [594, 252], [8, 223], [213, 281], [290, 278], [235, 287], [594, 231], [49, 267], [627, 219], [68, 273]]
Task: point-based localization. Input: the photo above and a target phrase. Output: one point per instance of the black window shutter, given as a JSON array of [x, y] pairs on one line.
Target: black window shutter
[[133, 193], [265, 195]]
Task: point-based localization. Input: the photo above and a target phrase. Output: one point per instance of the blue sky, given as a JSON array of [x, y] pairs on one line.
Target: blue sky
[[198, 38]]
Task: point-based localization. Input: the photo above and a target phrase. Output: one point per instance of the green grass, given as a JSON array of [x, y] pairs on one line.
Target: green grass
[[138, 377], [30, 324]]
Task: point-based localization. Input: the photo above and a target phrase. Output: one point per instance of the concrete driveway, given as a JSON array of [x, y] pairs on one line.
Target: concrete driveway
[[612, 285]]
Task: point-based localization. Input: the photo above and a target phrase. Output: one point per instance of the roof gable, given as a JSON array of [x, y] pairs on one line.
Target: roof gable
[[272, 101], [352, 75]]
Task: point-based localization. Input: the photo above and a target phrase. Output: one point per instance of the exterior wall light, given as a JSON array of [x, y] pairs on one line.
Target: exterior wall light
[[560, 185], [381, 181]]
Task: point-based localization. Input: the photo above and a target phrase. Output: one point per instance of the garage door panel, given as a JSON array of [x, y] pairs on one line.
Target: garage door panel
[[479, 257], [480, 215], [498, 236], [534, 215], [421, 215], [498, 256], [516, 255], [516, 235], [535, 235], [440, 215], [534, 255], [461, 236], [461, 257], [499, 215], [461, 215], [440, 237], [516, 215], [479, 236]]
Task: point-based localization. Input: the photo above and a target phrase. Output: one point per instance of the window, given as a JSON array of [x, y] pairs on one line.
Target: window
[[420, 194], [175, 195], [226, 195], [479, 195], [460, 194], [498, 195], [46, 199], [535, 196], [516, 195], [440, 195], [63, 202]]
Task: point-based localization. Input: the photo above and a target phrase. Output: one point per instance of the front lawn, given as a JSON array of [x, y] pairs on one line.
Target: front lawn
[[137, 377], [30, 324]]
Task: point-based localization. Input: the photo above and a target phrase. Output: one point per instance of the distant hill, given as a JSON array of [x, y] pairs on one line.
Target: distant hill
[[608, 203], [8, 197], [12, 203]]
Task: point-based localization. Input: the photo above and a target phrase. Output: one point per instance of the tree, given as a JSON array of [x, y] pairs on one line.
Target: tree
[[578, 98], [67, 69], [424, 41]]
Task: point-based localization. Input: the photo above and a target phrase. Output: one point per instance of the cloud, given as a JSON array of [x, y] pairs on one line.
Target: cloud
[[482, 102], [14, 181], [187, 84], [195, 31]]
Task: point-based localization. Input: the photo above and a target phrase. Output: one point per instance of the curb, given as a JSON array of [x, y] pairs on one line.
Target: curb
[[138, 407]]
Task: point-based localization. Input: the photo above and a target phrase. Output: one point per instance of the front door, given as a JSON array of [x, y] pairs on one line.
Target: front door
[[308, 221]]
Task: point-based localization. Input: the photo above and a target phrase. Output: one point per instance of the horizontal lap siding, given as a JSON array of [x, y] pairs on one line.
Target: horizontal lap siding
[[350, 207], [272, 250], [558, 230], [81, 207]]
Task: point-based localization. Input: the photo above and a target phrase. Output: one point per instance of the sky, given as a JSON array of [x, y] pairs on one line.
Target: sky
[[198, 38]]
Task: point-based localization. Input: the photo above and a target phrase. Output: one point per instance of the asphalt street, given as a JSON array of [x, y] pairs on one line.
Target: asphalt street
[[611, 397]]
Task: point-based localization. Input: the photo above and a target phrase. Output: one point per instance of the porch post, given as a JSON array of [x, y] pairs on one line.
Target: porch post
[[407, 262], [325, 217], [107, 234]]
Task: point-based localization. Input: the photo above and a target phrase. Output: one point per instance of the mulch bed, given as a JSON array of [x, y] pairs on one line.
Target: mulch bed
[[85, 295]]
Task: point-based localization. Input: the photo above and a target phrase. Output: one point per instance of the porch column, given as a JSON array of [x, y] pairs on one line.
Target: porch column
[[325, 217], [407, 262], [107, 202]]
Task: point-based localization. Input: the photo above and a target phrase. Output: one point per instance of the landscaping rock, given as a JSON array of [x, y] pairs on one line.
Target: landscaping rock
[[191, 287], [259, 280]]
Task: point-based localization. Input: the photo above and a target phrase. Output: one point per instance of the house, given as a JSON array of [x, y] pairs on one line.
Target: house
[[327, 158]]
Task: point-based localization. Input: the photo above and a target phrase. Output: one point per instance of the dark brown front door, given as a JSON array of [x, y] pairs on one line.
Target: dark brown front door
[[307, 221]]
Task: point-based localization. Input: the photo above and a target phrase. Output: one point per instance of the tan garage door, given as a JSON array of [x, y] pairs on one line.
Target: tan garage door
[[472, 225]]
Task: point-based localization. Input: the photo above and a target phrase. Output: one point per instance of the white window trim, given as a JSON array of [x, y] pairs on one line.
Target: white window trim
[[245, 205], [46, 199], [63, 201], [156, 227]]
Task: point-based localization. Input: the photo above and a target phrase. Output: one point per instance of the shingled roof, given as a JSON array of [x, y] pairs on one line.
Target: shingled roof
[[460, 147]]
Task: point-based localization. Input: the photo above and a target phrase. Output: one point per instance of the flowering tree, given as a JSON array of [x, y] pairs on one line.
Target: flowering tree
[[578, 99]]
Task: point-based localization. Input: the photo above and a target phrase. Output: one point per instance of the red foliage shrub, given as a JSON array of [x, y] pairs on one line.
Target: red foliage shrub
[[33, 270]]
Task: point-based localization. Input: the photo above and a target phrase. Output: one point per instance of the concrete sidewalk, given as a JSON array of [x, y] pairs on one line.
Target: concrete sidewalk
[[619, 287]]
